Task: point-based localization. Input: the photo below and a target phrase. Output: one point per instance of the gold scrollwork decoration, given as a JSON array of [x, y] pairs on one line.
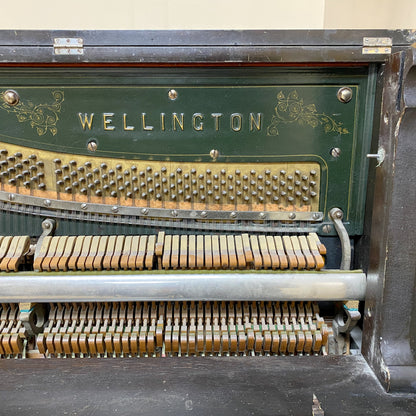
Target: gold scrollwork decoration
[[42, 117], [291, 109]]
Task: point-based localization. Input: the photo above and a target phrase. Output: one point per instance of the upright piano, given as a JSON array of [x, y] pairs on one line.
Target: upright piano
[[198, 198]]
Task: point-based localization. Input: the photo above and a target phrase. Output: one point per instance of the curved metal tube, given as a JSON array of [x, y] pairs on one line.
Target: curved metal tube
[[336, 216]]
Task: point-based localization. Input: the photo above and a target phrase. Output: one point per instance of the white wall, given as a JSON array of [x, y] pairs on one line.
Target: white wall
[[162, 14], [370, 14], [207, 14]]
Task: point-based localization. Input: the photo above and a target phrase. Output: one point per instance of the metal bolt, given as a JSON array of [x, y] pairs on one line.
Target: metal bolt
[[344, 94], [292, 216], [47, 202], [316, 216], [327, 228], [11, 197], [11, 97], [92, 146], [145, 211], [172, 94], [84, 206], [114, 208], [233, 215], [174, 213], [214, 154], [262, 215], [335, 152], [204, 214]]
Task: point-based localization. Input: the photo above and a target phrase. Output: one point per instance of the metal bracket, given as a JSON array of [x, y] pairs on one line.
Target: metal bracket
[[48, 227], [336, 216], [376, 46], [32, 317], [68, 46], [341, 326], [380, 156]]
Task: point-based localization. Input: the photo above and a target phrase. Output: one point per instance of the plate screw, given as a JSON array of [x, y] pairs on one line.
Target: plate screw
[[11, 97], [92, 146], [84, 206], [172, 94], [11, 197], [145, 211], [174, 213], [327, 228], [262, 215], [335, 152], [203, 214], [316, 216], [47, 202], [344, 94], [214, 154], [292, 216], [114, 208], [233, 215]]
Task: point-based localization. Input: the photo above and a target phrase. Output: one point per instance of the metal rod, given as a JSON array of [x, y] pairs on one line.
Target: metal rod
[[296, 286], [336, 216]]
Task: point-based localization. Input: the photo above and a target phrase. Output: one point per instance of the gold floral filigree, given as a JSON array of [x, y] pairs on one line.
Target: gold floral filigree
[[291, 109], [42, 117]]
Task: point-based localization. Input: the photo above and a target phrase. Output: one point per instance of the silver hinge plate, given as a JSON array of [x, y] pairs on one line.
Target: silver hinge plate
[[68, 46], [377, 46]]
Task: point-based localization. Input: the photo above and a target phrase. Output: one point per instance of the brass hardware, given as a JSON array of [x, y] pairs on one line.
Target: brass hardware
[[92, 146], [377, 46], [172, 94], [11, 97], [344, 94], [214, 154], [68, 46]]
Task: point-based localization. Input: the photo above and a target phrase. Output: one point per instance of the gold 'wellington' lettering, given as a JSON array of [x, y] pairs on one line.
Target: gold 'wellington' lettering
[[255, 122], [85, 121], [200, 125], [107, 121], [216, 117], [175, 120], [236, 121], [125, 126], [145, 127]]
